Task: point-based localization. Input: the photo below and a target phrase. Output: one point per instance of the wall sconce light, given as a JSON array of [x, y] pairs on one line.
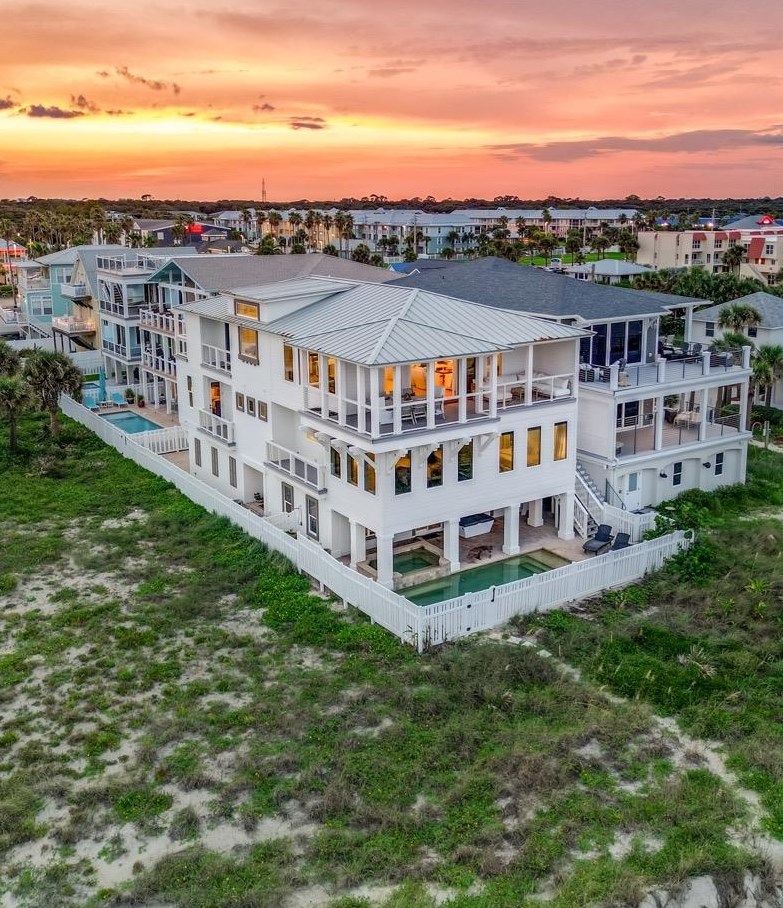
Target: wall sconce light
[[706, 465], [663, 474]]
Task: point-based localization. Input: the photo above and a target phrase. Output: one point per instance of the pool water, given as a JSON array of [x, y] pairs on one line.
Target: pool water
[[412, 560], [131, 422], [483, 577]]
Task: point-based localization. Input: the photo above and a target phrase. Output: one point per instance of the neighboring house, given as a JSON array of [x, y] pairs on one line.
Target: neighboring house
[[164, 235], [606, 271], [382, 413], [56, 293], [761, 237], [769, 332], [124, 290], [649, 428], [234, 220]]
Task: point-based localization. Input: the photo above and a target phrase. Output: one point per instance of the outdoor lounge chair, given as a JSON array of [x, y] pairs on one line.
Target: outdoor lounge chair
[[622, 541], [601, 541], [118, 400]]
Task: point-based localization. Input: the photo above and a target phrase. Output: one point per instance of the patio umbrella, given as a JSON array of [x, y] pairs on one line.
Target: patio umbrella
[[101, 385]]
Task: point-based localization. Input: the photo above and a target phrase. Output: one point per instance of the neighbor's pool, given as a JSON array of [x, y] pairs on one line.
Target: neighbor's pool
[[481, 578], [412, 560], [132, 422]]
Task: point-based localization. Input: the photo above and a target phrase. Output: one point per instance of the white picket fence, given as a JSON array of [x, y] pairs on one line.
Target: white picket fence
[[420, 626], [163, 441]]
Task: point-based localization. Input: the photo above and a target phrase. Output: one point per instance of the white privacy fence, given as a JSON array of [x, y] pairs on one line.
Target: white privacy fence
[[420, 626]]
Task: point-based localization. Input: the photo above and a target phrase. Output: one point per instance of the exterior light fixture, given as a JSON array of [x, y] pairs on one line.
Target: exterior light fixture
[[663, 474]]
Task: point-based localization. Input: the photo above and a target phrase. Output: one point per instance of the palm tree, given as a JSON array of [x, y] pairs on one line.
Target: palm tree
[[767, 369], [260, 218], [247, 220], [733, 256], [49, 375], [599, 244], [15, 398], [275, 219], [546, 245], [739, 316], [112, 232], [7, 231], [327, 220], [546, 217], [10, 360], [294, 221], [573, 243]]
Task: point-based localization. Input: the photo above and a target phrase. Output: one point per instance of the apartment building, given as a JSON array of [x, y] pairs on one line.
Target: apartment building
[[760, 237], [382, 413], [650, 425]]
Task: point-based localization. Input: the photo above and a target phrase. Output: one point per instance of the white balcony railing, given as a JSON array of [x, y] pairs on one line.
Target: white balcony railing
[[74, 291], [157, 321], [9, 316], [216, 426], [123, 350], [70, 325], [159, 364], [216, 358], [306, 471]]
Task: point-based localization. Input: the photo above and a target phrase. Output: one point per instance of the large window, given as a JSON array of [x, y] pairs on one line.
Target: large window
[[312, 516], [599, 345], [353, 470], [248, 345], [369, 473], [288, 497], [506, 452], [561, 441], [465, 462], [402, 475], [435, 468], [534, 446], [617, 342], [336, 459], [247, 310], [634, 351], [313, 369], [288, 362], [331, 374]]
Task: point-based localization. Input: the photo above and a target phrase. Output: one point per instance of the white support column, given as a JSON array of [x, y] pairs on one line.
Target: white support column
[[566, 528], [462, 390], [511, 530], [688, 324], [529, 377], [660, 417], [358, 544], [706, 358], [704, 407], [614, 376], [431, 394], [385, 559], [342, 384], [535, 513], [323, 381], [155, 388], [451, 543], [169, 388], [375, 393], [661, 377], [493, 385], [397, 400], [361, 399]]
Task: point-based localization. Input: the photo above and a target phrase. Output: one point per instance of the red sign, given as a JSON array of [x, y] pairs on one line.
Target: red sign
[[195, 228], [766, 219]]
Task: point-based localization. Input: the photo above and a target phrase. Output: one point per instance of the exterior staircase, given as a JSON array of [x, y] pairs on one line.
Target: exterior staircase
[[590, 503]]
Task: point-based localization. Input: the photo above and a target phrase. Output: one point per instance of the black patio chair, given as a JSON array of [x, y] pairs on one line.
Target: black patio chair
[[601, 541], [622, 541]]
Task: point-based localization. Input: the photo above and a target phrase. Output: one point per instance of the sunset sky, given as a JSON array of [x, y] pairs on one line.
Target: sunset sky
[[461, 98]]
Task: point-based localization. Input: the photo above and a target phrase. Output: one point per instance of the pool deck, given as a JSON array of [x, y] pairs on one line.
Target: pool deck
[[489, 547]]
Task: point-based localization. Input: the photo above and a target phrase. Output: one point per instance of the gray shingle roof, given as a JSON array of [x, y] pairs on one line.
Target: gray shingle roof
[[228, 272], [500, 283], [768, 306]]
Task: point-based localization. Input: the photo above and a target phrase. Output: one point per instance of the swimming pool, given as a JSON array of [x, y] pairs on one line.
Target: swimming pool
[[131, 422], [483, 577], [414, 559]]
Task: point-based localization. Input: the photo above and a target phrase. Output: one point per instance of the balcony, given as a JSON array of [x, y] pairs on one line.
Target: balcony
[[159, 364], [68, 324], [294, 465], [74, 291], [685, 429], [665, 371], [216, 426], [216, 358], [9, 316], [128, 353], [113, 308], [162, 322], [139, 264]]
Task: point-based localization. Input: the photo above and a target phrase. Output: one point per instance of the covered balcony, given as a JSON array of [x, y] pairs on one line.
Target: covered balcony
[[74, 291], [162, 322], [122, 350], [217, 358], [297, 467], [394, 400], [216, 426], [70, 324], [162, 365]]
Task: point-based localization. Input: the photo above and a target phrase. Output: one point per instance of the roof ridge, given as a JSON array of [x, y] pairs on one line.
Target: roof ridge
[[393, 323]]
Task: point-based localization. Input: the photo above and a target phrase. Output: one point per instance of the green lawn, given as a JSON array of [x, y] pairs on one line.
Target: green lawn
[[170, 690], [703, 640], [566, 258]]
